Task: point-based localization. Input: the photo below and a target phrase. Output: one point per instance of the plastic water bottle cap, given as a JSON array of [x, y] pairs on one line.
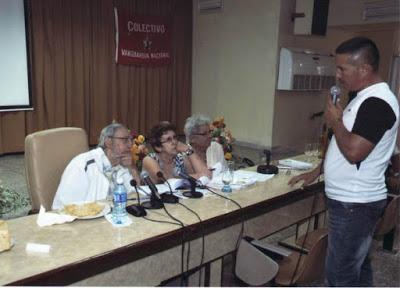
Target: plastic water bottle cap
[[120, 181]]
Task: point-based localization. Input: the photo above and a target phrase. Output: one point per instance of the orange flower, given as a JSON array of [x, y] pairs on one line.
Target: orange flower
[[228, 156], [135, 153], [219, 122], [140, 139]]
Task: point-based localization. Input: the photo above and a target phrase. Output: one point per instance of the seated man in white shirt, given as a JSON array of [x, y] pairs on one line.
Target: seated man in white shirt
[[89, 176], [198, 135]]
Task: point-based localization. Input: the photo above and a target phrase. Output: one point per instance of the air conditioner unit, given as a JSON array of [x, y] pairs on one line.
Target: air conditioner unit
[[303, 69], [207, 6]]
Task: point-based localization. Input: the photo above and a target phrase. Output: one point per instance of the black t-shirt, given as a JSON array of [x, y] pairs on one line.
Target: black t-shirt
[[374, 118]]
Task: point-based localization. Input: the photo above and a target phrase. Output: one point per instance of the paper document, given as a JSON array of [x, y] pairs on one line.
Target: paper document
[[295, 164], [241, 179]]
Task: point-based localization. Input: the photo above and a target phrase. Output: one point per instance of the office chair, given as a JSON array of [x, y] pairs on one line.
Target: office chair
[[388, 222], [311, 262], [47, 153]]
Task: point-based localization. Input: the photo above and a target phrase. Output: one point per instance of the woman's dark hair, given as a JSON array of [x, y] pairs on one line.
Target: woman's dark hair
[[157, 131], [364, 46]]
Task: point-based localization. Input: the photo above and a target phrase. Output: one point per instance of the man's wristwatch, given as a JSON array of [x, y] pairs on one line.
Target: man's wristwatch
[[189, 151]]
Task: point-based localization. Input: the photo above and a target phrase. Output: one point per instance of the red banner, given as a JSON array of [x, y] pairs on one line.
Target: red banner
[[142, 40]]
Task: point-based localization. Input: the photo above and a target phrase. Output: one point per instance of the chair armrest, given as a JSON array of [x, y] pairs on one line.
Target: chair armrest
[[271, 250]]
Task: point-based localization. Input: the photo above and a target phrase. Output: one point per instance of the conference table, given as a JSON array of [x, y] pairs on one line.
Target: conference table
[[94, 253]]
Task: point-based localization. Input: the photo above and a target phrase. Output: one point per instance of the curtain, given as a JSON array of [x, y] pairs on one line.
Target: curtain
[[76, 82]]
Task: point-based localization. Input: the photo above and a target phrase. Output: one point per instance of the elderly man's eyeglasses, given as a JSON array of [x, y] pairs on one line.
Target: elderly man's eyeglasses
[[209, 132], [124, 139], [169, 140]]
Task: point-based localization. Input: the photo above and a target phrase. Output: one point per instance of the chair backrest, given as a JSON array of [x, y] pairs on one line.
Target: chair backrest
[[310, 266], [253, 266], [47, 153], [389, 218], [314, 263]]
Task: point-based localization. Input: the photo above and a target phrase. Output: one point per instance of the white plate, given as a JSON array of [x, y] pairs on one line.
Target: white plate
[[105, 211]]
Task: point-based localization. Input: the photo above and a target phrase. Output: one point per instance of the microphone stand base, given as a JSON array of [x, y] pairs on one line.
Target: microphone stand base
[[169, 198], [153, 205], [267, 169], [192, 194], [136, 210]]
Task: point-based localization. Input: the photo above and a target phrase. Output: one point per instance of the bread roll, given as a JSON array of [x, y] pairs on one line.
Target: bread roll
[[5, 239]]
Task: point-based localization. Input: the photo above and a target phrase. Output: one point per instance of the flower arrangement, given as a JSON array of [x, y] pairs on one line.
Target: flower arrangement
[[139, 151], [223, 136], [12, 202]]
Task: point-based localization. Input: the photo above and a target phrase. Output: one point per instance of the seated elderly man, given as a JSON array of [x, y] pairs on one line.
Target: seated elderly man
[[88, 177], [198, 135]]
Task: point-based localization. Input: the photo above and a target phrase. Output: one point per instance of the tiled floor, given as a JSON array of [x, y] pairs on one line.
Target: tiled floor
[[386, 265]]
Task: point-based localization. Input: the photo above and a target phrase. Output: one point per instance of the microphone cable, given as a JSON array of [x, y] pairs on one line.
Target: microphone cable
[[179, 223], [183, 241], [202, 242], [240, 236], [313, 204], [160, 175]]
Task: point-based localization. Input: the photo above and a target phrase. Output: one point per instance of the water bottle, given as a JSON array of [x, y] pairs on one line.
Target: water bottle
[[119, 210]]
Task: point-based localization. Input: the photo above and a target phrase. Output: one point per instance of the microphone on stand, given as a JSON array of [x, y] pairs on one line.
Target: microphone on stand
[[165, 197], [267, 168], [155, 200], [193, 183], [136, 210], [335, 93]]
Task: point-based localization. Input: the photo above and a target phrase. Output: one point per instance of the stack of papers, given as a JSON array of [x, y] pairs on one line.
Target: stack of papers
[[294, 164], [241, 179]]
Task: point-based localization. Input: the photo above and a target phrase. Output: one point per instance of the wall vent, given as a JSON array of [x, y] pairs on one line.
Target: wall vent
[[381, 9], [210, 6]]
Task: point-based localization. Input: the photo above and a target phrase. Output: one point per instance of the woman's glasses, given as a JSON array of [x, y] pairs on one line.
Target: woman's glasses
[[204, 133], [169, 140]]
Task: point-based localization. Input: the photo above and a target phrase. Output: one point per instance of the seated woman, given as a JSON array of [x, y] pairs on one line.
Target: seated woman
[[170, 154], [198, 134]]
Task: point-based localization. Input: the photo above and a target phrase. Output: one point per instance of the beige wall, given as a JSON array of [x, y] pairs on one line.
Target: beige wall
[[292, 126], [350, 12], [234, 66], [235, 57], [384, 39]]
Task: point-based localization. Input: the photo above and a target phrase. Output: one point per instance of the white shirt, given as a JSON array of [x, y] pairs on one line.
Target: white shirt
[[215, 154], [344, 181], [85, 180]]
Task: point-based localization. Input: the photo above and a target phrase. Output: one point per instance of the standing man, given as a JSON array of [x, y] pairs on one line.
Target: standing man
[[357, 157], [89, 176]]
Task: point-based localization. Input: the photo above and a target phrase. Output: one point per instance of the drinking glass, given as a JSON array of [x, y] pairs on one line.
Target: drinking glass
[[227, 176], [315, 149], [108, 173], [308, 150]]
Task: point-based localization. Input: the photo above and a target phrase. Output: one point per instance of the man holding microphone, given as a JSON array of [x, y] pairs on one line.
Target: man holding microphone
[[364, 137]]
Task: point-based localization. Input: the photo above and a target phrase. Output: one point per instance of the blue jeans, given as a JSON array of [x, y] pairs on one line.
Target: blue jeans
[[351, 227]]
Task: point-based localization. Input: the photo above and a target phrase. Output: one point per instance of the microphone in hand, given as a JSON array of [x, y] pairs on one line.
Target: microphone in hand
[[165, 197], [335, 93]]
